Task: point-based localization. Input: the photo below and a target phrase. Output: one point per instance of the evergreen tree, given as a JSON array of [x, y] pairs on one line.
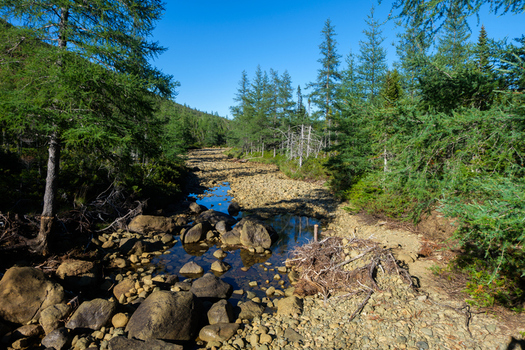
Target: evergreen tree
[[452, 48], [482, 52], [242, 112], [350, 89], [74, 93], [392, 92], [324, 89], [372, 59]]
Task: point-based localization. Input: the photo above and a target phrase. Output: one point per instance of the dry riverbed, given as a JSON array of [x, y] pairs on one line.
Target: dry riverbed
[[397, 317]]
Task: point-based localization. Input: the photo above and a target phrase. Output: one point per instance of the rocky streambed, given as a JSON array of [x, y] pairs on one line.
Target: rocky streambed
[[204, 274]]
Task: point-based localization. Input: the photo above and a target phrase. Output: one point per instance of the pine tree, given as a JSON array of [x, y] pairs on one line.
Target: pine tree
[[324, 89], [74, 92], [482, 52], [372, 59], [392, 92], [350, 89]]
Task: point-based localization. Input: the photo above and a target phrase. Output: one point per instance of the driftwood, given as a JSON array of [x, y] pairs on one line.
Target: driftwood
[[322, 268]]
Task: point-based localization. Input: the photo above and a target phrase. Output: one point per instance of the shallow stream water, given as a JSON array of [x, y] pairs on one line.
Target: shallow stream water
[[245, 266]]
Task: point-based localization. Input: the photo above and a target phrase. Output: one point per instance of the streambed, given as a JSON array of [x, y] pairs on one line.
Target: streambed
[[246, 267]]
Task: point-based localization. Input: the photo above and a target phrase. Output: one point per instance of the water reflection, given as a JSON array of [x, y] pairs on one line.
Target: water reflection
[[245, 266]]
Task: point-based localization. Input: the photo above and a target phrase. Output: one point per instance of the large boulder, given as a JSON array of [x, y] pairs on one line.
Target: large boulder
[[255, 234], [25, 292], [121, 343], [150, 223], [197, 233], [93, 314], [218, 332], [123, 287], [211, 287], [213, 217], [165, 315], [77, 273]]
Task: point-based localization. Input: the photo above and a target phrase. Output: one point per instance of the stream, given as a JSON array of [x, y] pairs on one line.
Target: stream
[[246, 267]]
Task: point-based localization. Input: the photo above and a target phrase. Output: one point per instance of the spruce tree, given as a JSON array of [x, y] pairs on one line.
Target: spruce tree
[[452, 48], [372, 59], [324, 89], [75, 93]]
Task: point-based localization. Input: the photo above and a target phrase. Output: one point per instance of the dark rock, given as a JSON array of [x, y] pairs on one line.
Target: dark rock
[[234, 208], [92, 314], [195, 208], [250, 310], [78, 274], [121, 343], [254, 233], [165, 315], [51, 317], [25, 292], [57, 339], [211, 287], [218, 332], [196, 234], [213, 217], [150, 223], [220, 312]]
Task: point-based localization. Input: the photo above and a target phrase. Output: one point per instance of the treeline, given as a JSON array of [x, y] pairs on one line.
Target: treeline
[[188, 127], [443, 128]]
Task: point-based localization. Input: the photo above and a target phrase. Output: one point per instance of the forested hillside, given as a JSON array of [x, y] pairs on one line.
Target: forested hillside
[[442, 128]]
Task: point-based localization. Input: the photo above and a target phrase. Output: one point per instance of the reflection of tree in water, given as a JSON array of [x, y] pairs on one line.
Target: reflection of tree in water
[[301, 228]]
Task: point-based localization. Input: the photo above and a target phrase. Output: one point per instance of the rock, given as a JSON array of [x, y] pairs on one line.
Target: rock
[[250, 310], [256, 234], [149, 223], [52, 316], [213, 217], [292, 335], [197, 233], [220, 266], [165, 315], [78, 274], [290, 306], [123, 287], [121, 343], [92, 314], [219, 254], [25, 292], [195, 208], [57, 339], [119, 320], [234, 208], [265, 338], [191, 268], [166, 238], [211, 287], [118, 263], [222, 227], [29, 330], [231, 238], [218, 332], [220, 312]]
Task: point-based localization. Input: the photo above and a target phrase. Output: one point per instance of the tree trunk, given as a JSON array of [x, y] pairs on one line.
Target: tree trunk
[[47, 220]]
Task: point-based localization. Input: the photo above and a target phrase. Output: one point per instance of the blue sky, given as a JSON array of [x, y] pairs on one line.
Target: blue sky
[[210, 43]]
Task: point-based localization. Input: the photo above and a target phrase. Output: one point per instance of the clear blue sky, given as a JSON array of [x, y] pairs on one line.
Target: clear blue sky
[[210, 43]]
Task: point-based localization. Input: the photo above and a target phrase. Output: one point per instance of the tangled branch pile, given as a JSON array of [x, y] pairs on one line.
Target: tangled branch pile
[[343, 265]]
